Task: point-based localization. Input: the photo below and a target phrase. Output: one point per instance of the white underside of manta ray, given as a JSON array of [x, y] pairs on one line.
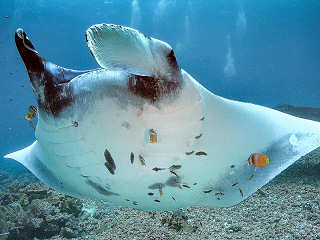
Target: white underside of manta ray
[[140, 132]]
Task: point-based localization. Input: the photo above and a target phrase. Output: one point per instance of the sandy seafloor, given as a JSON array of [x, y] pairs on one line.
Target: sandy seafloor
[[286, 208]]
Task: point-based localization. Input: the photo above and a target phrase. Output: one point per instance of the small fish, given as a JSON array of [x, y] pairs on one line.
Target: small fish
[[32, 113], [258, 160], [127, 200], [262, 193], [232, 166], [202, 119], [143, 163], [175, 167], [150, 193], [173, 198], [75, 123], [110, 164], [185, 185], [201, 154], [153, 136], [219, 194], [158, 169], [207, 191], [235, 184], [195, 183], [189, 153], [173, 172], [240, 190], [252, 175], [135, 203], [156, 200], [161, 192], [199, 136], [131, 157], [6, 16]]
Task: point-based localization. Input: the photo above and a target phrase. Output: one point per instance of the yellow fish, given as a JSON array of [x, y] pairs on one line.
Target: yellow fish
[[31, 114]]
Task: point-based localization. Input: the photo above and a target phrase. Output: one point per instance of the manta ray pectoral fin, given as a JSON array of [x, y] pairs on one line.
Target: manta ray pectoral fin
[[32, 158], [124, 47]]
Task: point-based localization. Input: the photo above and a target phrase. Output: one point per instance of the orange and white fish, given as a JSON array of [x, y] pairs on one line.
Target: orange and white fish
[[258, 160]]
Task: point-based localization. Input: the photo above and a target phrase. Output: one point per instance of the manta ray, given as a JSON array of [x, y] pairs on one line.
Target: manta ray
[[141, 132]]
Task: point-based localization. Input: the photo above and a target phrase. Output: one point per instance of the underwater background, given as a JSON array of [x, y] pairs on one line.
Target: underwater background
[[263, 52]]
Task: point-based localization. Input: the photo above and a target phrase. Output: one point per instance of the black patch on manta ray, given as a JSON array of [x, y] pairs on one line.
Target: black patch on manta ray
[[172, 60], [110, 165], [151, 88], [99, 188]]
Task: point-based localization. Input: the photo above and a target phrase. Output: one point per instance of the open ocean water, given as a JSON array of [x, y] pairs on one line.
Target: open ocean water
[[262, 52]]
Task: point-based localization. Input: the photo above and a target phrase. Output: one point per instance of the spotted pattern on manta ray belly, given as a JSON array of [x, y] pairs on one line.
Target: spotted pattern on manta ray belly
[[110, 165], [151, 88], [172, 60]]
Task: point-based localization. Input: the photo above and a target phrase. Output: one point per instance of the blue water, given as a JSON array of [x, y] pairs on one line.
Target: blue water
[[265, 52]]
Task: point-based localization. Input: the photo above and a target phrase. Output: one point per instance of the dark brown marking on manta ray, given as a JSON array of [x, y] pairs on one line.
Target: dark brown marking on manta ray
[[99, 188], [201, 154], [199, 136], [172, 60], [189, 153], [175, 167], [110, 165], [158, 169], [152, 88], [131, 157]]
